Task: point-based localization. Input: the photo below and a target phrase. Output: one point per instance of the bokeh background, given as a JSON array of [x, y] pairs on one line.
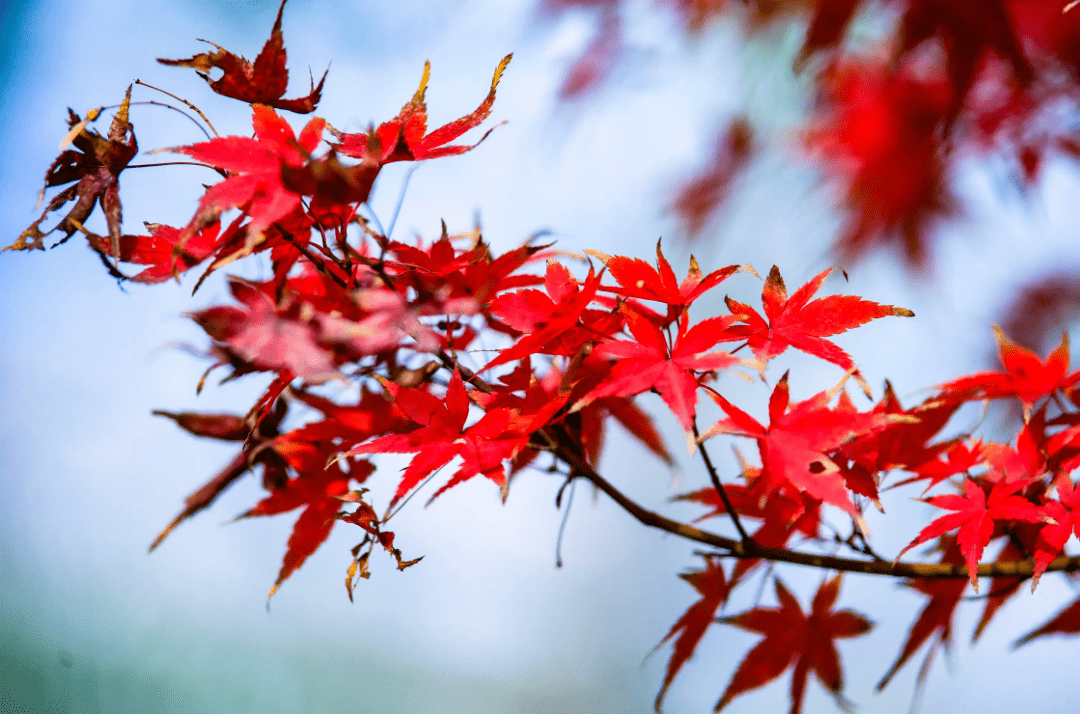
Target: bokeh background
[[89, 622]]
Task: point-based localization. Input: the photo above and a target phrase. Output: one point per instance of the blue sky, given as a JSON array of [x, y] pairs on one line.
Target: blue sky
[[89, 622]]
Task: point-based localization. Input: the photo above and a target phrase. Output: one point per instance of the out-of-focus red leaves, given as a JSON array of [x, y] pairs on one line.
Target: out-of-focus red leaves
[[936, 616], [263, 338], [1066, 622], [261, 82], [805, 642], [881, 132], [594, 65], [713, 588], [698, 199]]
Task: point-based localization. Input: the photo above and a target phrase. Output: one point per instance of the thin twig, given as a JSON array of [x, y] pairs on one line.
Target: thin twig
[[180, 99], [720, 488]]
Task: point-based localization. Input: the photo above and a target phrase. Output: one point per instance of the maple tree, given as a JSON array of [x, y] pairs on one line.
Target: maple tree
[[403, 323]]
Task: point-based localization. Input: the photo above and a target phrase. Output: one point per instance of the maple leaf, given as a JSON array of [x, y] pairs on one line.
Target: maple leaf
[[976, 514], [261, 337], [803, 323], [1066, 622], [405, 137], [551, 322], [804, 642], [968, 32], [317, 487], [713, 587], [1026, 376], [256, 186], [595, 63], [880, 131], [227, 427], [794, 447], [95, 163], [783, 514], [649, 363], [1064, 520], [638, 279], [167, 251], [261, 82], [936, 617], [482, 447]]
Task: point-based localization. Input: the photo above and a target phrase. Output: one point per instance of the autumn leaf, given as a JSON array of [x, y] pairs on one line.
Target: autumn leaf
[[405, 137], [483, 447], [95, 163], [256, 184], [260, 336], [936, 616], [165, 250], [1026, 376], [794, 448], [648, 362], [261, 82], [713, 588], [638, 279], [1066, 622], [227, 427], [803, 323], [797, 640], [317, 488], [976, 513]]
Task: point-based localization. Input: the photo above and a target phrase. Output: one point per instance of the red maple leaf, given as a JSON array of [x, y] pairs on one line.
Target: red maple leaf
[[551, 322], [261, 82], [1064, 515], [264, 339], [483, 447], [638, 279], [167, 251], [649, 362], [795, 445], [1066, 622], [256, 164], [803, 323], [880, 130], [228, 427], [783, 513], [801, 641], [96, 166], [699, 197], [405, 137], [977, 513], [936, 617], [316, 487], [1026, 376], [713, 587]]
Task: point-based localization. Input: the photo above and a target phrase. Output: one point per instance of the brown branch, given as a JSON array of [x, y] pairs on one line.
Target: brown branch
[[737, 549], [740, 549]]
